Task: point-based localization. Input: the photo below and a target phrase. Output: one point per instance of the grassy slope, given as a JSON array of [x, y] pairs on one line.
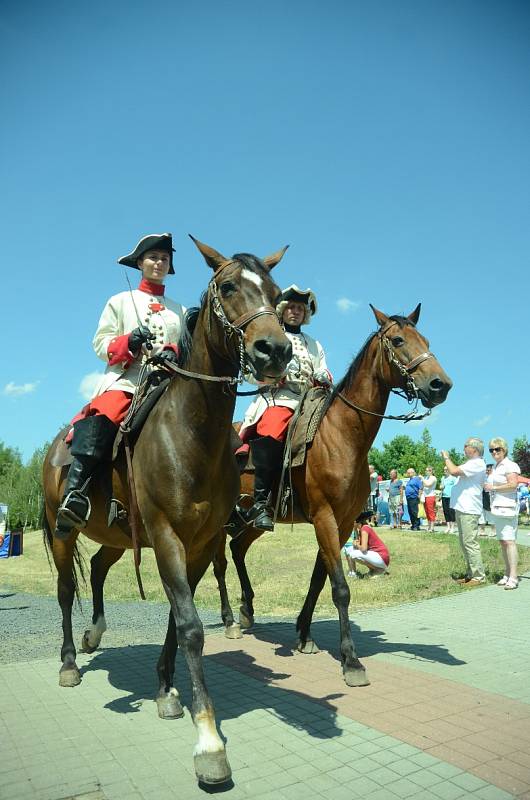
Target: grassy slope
[[280, 565]]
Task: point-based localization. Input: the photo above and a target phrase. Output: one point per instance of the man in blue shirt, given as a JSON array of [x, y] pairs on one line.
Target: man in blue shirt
[[412, 493]]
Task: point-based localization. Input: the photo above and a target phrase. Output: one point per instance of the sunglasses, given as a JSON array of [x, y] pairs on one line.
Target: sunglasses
[[496, 449]]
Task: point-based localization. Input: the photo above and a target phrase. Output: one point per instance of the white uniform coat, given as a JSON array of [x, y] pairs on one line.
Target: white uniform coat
[[162, 316], [307, 363]]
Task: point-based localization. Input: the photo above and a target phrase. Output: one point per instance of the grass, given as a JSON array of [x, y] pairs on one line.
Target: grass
[[280, 566]]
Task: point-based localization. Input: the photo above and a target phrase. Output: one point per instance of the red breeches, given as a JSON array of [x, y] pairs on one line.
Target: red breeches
[[274, 422], [113, 404]]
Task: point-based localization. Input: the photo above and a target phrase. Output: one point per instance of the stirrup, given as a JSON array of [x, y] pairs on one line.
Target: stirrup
[[236, 523], [261, 516], [72, 513]]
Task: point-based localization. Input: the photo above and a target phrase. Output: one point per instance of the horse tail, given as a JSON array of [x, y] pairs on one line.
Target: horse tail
[[78, 564]]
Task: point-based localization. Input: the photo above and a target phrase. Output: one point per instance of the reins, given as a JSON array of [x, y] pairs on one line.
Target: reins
[[411, 393], [231, 329]]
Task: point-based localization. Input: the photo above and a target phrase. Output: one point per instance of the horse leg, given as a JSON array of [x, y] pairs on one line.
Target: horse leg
[[232, 629], [303, 623], [352, 669], [100, 563], [167, 700], [63, 556], [239, 547], [211, 763]]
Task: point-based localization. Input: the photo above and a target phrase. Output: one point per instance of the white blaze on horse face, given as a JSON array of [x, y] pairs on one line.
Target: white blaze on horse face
[[255, 279]]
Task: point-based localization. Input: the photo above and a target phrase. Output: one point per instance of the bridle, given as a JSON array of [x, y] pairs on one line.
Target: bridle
[[411, 393], [232, 331], [236, 328]]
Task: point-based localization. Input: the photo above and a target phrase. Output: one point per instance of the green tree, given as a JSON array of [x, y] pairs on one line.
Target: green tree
[[21, 485], [521, 454]]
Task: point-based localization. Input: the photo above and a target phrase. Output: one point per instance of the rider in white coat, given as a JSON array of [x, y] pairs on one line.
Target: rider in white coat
[[268, 416], [134, 325]]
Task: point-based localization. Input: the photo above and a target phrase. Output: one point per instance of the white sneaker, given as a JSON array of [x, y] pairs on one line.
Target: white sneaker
[[503, 581]]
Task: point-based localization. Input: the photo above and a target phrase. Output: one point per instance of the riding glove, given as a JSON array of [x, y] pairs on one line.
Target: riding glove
[[138, 337]]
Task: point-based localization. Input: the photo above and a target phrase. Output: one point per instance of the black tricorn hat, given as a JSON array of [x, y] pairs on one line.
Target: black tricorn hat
[[153, 241], [294, 294]]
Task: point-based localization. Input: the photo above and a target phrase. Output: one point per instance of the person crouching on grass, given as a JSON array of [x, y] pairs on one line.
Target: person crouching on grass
[[367, 549]]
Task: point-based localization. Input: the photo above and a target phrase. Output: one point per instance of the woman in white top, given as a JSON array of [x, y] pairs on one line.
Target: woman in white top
[[429, 497], [502, 484]]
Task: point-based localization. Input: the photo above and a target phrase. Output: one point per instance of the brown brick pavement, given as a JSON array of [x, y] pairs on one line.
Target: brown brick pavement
[[481, 732]]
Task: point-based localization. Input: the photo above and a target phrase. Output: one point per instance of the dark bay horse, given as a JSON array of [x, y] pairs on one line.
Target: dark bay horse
[[187, 482], [333, 484]]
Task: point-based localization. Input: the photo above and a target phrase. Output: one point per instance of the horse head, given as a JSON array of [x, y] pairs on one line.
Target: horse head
[[243, 297], [414, 368]]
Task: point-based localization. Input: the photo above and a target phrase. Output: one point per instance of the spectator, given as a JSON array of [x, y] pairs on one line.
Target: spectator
[[448, 481], [347, 549], [466, 499], [374, 491], [412, 493], [429, 497], [485, 517], [502, 485], [2, 526], [370, 550], [395, 499]]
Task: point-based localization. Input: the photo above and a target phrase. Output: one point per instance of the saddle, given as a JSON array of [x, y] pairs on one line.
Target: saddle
[[300, 435], [148, 394]]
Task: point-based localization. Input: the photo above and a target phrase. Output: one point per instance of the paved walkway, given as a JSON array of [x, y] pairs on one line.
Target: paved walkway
[[447, 714]]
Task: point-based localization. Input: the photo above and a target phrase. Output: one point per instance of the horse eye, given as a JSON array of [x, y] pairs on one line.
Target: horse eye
[[227, 288], [398, 341]]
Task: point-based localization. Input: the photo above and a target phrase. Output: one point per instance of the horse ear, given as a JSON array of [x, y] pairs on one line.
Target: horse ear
[[274, 258], [380, 317], [211, 256], [415, 315]]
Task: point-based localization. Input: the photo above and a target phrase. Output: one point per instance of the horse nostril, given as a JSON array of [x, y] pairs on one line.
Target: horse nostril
[[437, 385], [263, 347]]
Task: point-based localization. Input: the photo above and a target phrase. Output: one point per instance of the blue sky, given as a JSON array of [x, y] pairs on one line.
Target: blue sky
[[386, 142]]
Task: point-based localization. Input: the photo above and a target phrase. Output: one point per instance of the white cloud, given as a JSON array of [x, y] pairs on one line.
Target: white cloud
[[87, 387], [345, 305], [482, 421], [13, 390]]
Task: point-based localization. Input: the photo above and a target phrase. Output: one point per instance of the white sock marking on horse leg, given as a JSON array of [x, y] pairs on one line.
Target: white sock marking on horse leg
[[209, 740], [96, 631]]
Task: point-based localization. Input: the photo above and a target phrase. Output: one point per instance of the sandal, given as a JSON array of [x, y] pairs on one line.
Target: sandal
[[511, 583], [503, 581]]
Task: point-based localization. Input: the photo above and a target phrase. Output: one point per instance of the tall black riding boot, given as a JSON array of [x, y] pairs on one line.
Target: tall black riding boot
[[267, 458], [91, 443]]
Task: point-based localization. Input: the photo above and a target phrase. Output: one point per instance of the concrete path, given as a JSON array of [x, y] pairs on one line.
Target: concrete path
[[447, 714]]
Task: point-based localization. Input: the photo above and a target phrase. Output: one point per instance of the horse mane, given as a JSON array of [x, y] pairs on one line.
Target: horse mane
[[186, 337], [250, 261], [349, 377]]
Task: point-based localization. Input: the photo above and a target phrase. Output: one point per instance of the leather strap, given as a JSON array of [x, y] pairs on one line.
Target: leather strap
[[133, 503], [244, 319]]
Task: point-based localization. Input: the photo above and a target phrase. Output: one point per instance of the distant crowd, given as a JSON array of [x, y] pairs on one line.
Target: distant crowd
[[473, 495]]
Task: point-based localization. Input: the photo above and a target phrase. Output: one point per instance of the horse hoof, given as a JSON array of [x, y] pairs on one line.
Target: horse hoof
[[309, 648], [212, 768], [245, 620], [85, 646], [233, 631], [69, 676], [168, 705], [356, 677]]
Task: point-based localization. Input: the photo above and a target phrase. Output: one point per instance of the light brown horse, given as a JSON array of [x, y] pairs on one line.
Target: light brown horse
[[333, 484], [187, 481]]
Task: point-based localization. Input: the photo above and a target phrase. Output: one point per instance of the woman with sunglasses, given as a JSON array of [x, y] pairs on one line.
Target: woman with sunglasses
[[502, 485]]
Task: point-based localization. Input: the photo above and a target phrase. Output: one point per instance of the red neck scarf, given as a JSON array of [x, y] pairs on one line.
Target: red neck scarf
[[149, 287]]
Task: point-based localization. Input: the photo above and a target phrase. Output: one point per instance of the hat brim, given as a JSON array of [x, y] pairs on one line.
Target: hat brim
[[154, 241]]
